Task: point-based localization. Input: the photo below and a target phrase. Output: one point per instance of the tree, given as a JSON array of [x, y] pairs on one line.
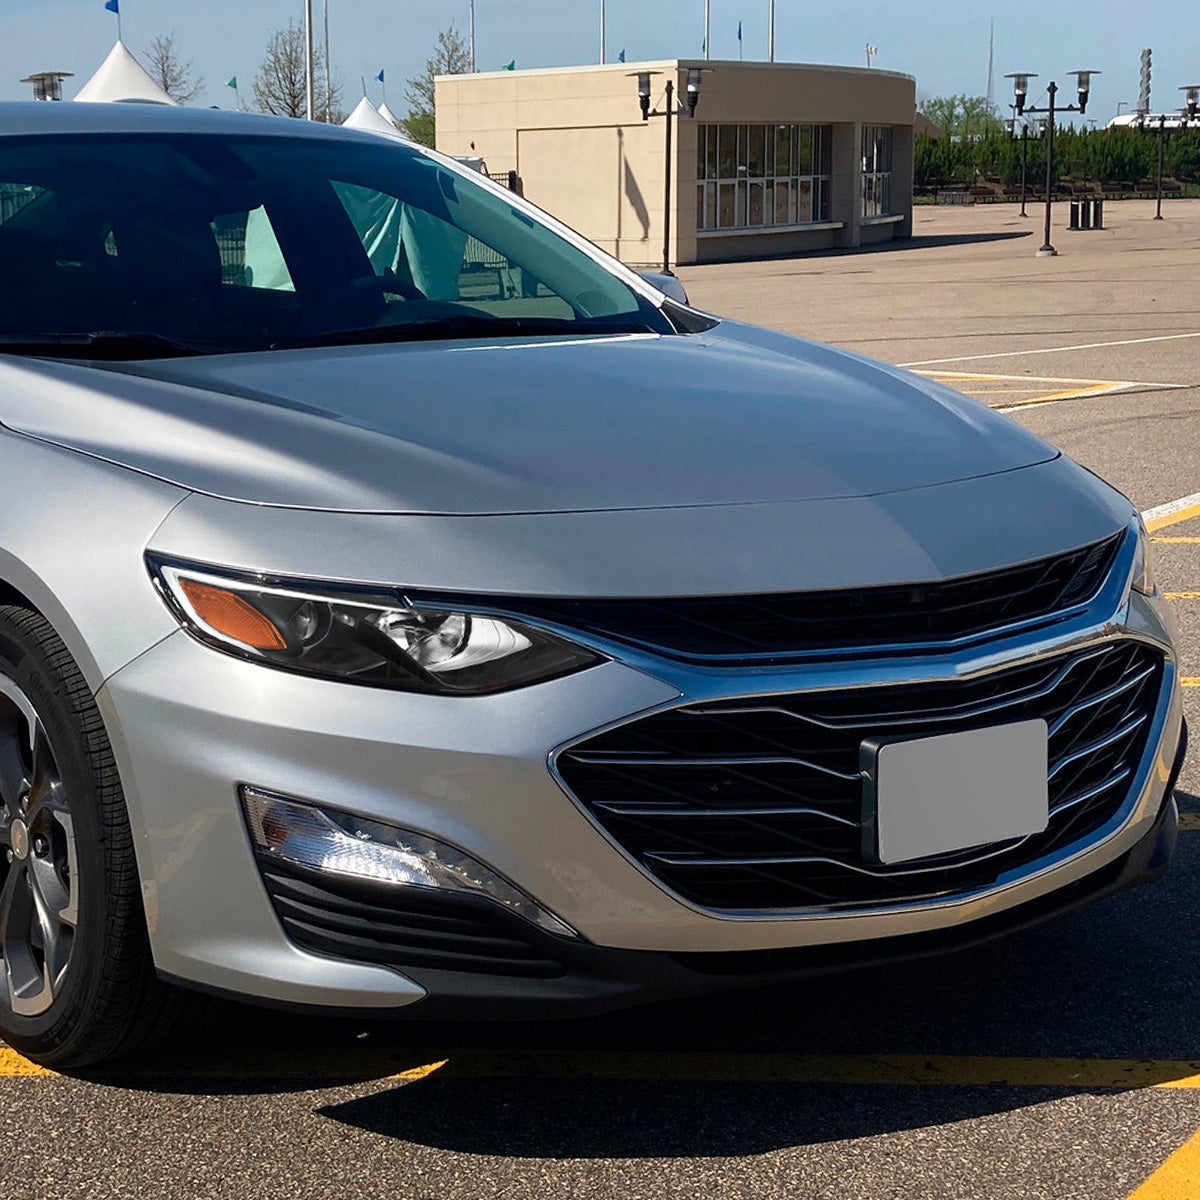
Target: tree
[[962, 116], [452, 57], [279, 86], [176, 77]]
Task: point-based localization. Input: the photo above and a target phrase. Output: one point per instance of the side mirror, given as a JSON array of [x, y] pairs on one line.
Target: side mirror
[[669, 285]]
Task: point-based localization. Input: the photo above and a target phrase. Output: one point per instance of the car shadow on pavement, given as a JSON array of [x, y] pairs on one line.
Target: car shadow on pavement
[[1114, 981], [602, 1119]]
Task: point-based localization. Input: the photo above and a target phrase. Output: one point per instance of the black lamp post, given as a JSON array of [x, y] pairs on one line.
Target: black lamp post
[[1186, 117], [1024, 154], [670, 110], [1020, 91]]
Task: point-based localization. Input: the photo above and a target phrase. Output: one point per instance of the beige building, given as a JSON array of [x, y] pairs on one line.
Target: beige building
[[778, 158]]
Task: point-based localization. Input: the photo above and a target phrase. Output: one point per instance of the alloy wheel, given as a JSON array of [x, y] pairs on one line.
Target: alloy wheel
[[39, 872]]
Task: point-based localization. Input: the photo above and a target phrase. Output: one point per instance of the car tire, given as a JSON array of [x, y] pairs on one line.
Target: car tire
[[77, 984]]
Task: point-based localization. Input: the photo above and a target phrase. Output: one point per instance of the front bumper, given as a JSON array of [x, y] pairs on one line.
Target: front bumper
[[189, 725]]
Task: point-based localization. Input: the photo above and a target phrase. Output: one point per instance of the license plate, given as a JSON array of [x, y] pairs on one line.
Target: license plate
[[936, 795]]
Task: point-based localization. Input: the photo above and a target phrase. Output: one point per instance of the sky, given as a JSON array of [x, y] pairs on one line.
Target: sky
[[944, 43]]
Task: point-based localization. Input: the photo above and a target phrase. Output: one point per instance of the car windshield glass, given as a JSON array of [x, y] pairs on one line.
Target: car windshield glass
[[141, 246]]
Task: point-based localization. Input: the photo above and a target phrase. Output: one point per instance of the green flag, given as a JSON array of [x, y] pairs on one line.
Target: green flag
[[512, 66], [232, 83]]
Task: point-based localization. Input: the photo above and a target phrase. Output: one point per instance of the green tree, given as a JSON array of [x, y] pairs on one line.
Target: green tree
[[962, 116], [451, 57]]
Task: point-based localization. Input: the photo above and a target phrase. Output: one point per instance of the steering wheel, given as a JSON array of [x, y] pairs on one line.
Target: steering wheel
[[390, 284]]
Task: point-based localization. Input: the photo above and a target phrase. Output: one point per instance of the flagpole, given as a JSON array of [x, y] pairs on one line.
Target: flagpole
[[707, 29], [328, 74], [771, 35], [309, 81], [601, 31], [472, 10]]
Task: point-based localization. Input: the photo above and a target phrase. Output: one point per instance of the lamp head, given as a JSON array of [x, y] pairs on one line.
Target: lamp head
[[1020, 88], [1192, 92], [644, 93], [1084, 86], [693, 90]]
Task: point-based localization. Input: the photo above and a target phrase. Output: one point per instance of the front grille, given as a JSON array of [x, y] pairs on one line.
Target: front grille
[[732, 629], [758, 803], [401, 927]]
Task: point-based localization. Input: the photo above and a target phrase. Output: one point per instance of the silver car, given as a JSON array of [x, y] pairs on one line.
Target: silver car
[[407, 609]]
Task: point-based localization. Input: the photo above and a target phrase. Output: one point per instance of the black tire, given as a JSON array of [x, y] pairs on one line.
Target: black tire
[[102, 999]]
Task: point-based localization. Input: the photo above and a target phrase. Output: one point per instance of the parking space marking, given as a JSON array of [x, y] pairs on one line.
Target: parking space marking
[[1077, 1074], [1166, 337], [1034, 389], [1179, 541], [1178, 1178], [1172, 513], [1181, 595]]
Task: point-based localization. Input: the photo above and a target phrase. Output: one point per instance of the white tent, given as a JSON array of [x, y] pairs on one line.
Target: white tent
[[121, 77], [367, 116], [387, 114]]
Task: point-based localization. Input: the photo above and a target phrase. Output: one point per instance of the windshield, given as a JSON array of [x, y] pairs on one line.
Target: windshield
[[140, 246]]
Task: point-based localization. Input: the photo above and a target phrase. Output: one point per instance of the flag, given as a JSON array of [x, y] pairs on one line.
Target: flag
[[233, 79], [113, 6], [621, 56], [379, 77], [512, 66], [739, 31], [704, 46]]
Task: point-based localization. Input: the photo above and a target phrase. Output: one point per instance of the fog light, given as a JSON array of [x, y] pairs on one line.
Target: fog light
[[340, 843]]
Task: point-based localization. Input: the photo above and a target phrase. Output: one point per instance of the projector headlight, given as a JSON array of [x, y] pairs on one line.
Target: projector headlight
[[1141, 578], [363, 636]]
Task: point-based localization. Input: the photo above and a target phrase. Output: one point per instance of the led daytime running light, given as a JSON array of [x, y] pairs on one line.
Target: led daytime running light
[[340, 843]]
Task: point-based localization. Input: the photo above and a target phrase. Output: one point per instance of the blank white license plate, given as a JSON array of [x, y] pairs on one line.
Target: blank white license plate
[[955, 791]]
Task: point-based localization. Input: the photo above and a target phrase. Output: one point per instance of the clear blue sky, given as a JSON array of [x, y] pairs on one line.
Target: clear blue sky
[[942, 42]]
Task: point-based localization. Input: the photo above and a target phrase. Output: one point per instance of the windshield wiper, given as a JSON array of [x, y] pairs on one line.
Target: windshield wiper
[[114, 345], [468, 326]]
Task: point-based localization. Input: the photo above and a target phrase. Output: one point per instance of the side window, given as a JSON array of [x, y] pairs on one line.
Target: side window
[[440, 260], [250, 253], [15, 196]]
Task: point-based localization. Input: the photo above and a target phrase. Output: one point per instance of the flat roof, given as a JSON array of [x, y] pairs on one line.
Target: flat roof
[[683, 64]]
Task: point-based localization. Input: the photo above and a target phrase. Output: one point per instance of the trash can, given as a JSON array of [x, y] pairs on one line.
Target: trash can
[[1074, 215]]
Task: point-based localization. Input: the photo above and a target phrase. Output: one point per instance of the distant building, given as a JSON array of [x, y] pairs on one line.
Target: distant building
[[779, 157]]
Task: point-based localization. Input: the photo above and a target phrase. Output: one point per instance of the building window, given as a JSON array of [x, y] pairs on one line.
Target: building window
[[876, 170], [762, 176]]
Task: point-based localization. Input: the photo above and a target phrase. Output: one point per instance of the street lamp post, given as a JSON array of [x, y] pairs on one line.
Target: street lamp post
[[670, 111], [1020, 91], [1186, 117]]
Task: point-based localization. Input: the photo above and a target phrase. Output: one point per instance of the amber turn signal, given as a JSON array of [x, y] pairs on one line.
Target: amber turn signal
[[228, 614]]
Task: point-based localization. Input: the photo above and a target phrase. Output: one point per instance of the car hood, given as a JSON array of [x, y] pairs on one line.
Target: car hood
[[734, 416]]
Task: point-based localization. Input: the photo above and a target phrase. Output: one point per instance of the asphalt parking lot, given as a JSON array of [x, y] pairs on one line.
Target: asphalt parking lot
[[1063, 1062]]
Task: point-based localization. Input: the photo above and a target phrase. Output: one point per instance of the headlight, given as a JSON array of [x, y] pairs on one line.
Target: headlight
[[1142, 576], [362, 635]]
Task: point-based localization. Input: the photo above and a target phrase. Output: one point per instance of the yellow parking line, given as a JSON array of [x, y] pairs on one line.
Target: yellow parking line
[[11, 1063], [1190, 541], [713, 1067], [1172, 514], [1181, 595], [1178, 1178], [1190, 681]]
